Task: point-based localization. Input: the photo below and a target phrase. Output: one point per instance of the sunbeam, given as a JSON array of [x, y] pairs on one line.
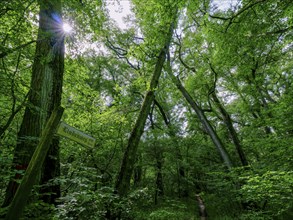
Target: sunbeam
[[67, 28]]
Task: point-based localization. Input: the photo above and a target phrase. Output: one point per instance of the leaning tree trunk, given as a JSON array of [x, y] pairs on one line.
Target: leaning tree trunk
[[45, 94], [20, 199], [126, 169], [200, 114], [232, 132]]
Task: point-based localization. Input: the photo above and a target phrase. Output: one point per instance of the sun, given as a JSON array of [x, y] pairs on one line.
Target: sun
[[67, 28]]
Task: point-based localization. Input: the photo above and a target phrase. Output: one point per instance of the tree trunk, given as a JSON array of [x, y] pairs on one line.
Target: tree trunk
[[51, 167], [138, 171], [182, 183], [45, 92], [126, 169], [20, 199], [233, 134], [200, 114], [201, 206], [159, 179], [51, 192]]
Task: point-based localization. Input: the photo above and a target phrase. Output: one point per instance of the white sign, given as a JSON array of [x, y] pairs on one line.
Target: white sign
[[66, 130]]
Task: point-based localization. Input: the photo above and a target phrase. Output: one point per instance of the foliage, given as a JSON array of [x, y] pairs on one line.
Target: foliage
[[272, 190], [101, 204], [243, 53], [172, 209], [39, 210]]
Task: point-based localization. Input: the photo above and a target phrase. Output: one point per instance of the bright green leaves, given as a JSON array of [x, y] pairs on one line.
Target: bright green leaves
[[154, 18], [271, 190], [17, 34], [88, 16]]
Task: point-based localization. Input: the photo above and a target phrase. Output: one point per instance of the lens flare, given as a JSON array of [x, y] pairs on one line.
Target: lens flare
[[67, 28]]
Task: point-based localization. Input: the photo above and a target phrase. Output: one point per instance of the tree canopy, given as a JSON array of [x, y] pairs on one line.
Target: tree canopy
[[189, 103]]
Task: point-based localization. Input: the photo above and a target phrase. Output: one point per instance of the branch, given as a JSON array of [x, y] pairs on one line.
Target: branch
[[230, 19], [14, 109], [280, 31], [11, 117], [8, 51], [180, 57], [216, 78], [151, 113], [121, 53], [5, 10], [164, 115]]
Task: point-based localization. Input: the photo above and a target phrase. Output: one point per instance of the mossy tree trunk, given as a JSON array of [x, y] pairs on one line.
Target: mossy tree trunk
[[51, 168], [34, 168], [45, 94], [127, 166]]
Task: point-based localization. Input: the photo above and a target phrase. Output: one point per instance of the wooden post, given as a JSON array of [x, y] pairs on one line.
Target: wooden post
[[20, 199]]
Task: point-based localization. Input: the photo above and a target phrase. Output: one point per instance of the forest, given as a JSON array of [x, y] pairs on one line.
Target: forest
[[182, 109]]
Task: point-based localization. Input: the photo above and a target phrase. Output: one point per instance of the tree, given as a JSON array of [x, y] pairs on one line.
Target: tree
[[172, 130], [45, 94], [123, 179], [200, 114], [20, 199]]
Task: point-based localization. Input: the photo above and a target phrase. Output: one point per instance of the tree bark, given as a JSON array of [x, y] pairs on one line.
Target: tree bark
[[126, 169], [233, 134], [51, 167], [20, 199], [45, 92], [200, 114], [138, 172]]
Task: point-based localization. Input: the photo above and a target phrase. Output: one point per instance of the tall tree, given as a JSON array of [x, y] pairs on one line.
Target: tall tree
[[225, 116], [229, 124], [123, 179], [203, 119], [45, 94]]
